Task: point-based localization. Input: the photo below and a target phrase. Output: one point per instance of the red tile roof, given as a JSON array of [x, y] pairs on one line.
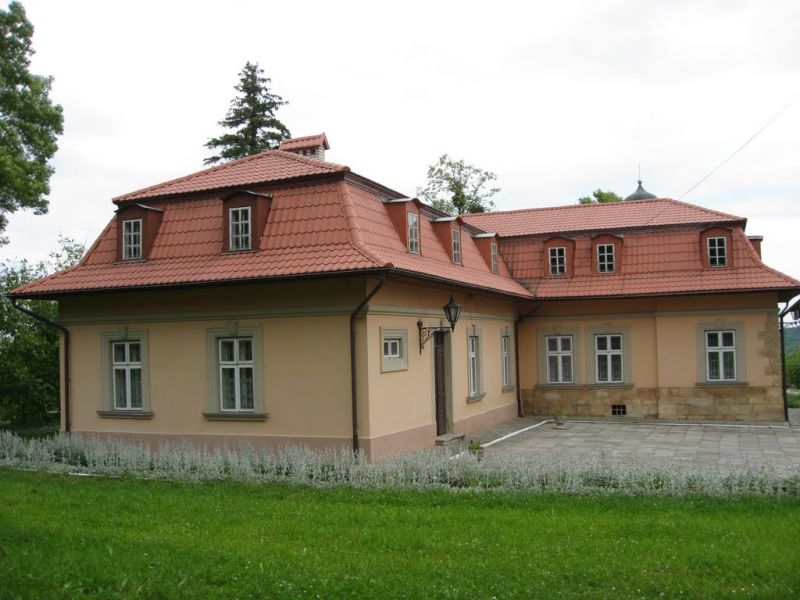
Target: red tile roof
[[309, 141], [666, 262], [269, 166], [335, 225], [589, 217]]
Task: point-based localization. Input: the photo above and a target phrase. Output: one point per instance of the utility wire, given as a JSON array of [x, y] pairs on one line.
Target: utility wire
[[740, 148]]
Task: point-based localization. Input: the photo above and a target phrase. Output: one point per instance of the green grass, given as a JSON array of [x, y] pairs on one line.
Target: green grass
[[67, 537]]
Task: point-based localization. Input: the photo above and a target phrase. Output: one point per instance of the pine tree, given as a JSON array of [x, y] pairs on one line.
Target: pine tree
[[252, 118], [29, 121]]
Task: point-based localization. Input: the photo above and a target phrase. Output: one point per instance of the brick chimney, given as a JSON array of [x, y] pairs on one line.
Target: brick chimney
[[312, 146], [755, 242]]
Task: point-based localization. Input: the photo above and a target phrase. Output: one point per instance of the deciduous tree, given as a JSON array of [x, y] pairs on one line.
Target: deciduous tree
[[29, 121], [600, 197], [458, 188], [251, 119]]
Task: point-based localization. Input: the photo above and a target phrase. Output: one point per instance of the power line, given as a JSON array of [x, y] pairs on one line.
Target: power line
[[740, 148]]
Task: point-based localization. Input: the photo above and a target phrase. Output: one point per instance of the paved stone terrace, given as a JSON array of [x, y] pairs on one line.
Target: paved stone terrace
[[723, 447]]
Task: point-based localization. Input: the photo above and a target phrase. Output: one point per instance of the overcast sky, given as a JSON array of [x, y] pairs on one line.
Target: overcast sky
[[557, 98]]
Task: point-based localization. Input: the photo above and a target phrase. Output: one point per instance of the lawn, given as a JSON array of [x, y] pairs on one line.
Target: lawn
[[90, 537]]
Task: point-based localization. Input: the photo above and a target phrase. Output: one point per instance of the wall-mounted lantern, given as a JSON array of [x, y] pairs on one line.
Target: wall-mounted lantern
[[452, 312]]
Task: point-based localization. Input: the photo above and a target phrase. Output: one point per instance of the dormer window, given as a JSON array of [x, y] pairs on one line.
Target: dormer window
[[456, 246], [132, 239], [605, 258], [239, 222], [717, 252], [413, 233], [558, 260], [493, 250]]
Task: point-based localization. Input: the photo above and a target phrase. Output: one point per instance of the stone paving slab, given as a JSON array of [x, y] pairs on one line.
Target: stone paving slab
[[777, 446]]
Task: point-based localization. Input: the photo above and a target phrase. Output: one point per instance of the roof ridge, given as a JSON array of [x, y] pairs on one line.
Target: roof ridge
[[332, 167], [695, 206]]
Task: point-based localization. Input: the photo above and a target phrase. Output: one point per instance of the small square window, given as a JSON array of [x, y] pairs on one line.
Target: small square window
[[394, 350], [619, 410]]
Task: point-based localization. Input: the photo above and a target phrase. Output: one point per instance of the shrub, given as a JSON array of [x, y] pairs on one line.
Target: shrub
[[552, 472]]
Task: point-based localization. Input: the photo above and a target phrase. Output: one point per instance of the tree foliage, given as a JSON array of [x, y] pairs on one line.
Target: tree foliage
[[793, 369], [29, 121], [600, 197], [251, 117], [458, 188], [29, 369]]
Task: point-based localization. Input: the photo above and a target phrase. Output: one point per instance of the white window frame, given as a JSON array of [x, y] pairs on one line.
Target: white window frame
[[717, 248], [606, 258], [558, 260], [720, 350], [493, 252], [126, 366], [240, 239], [505, 358], [474, 362], [456, 249], [131, 239], [609, 353], [413, 232], [560, 354], [394, 337], [238, 365]]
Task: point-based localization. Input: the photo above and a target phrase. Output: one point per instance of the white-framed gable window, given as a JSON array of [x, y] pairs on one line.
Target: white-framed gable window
[[559, 358], [456, 253], [721, 355], [608, 358], [605, 258], [132, 239], [558, 260], [239, 228], [126, 359], [717, 252], [413, 233], [493, 251], [236, 374]]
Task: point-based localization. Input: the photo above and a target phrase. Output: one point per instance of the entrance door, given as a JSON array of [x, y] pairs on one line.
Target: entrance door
[[441, 390]]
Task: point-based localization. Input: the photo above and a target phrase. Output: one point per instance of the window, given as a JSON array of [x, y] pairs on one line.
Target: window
[[474, 361], [608, 358], [505, 352], [493, 250], [127, 375], [132, 239], [619, 410], [239, 228], [717, 254], [456, 246], [394, 349], [605, 258], [558, 260], [559, 358], [721, 355], [413, 233], [236, 383]]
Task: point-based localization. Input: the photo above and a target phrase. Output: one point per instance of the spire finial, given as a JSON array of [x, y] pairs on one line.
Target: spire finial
[[640, 175]]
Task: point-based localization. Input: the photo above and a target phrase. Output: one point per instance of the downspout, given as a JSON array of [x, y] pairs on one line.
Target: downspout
[[783, 374], [353, 381], [519, 320], [65, 331]]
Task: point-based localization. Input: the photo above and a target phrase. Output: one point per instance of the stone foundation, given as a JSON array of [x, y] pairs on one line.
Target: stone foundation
[[712, 403]]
